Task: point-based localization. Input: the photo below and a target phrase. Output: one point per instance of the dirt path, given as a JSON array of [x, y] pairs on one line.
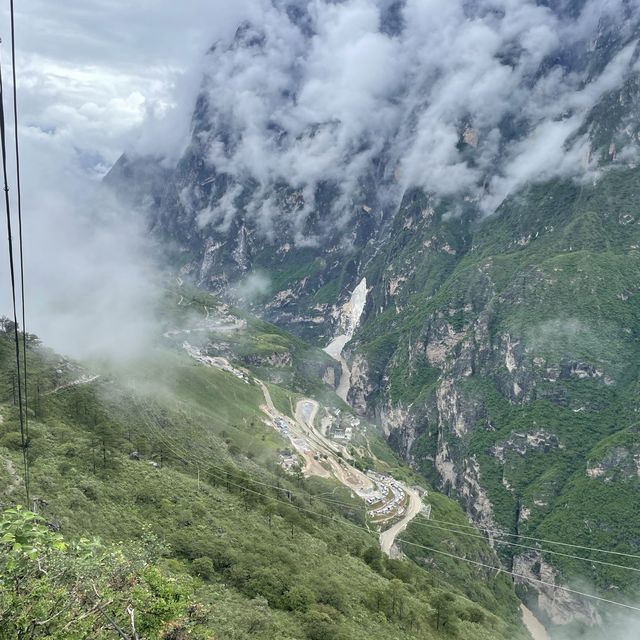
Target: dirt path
[[534, 626], [75, 383], [267, 396], [388, 537]]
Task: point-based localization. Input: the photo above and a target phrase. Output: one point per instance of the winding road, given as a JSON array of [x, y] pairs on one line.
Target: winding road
[[305, 414], [388, 537], [310, 442]]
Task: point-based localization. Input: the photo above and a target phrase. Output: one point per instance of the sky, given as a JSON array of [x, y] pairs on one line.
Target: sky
[[91, 71]]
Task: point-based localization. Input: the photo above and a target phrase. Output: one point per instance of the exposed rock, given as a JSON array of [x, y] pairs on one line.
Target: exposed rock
[[395, 417], [619, 464], [361, 387], [457, 413], [470, 136], [445, 465], [329, 377], [475, 498], [561, 607], [441, 342], [277, 360], [394, 284], [523, 443]]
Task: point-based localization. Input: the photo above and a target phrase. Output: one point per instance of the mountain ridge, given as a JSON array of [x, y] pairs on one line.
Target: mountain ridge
[[497, 352]]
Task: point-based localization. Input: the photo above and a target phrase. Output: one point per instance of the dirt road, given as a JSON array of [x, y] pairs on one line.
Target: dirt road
[[312, 467], [305, 415], [322, 456], [86, 379], [388, 537], [267, 397], [348, 475]]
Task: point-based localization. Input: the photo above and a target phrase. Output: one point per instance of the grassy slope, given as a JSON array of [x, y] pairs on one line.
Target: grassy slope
[[301, 576]]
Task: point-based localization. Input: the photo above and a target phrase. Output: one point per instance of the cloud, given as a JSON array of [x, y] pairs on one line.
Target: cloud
[[254, 286], [466, 98], [348, 103], [94, 77], [91, 274]]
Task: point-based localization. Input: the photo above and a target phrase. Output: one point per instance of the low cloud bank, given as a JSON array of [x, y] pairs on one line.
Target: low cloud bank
[[472, 99], [91, 273]]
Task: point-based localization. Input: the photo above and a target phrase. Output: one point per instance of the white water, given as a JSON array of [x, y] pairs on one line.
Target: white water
[[350, 316], [534, 626]]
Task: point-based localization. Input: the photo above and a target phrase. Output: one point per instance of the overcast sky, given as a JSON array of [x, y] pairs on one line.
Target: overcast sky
[[89, 73], [90, 70]]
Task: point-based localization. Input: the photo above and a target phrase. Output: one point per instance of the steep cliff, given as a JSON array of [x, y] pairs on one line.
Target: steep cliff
[[497, 341]]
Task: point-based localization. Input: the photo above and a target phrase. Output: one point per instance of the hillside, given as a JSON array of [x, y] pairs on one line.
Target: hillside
[[174, 464], [460, 233]]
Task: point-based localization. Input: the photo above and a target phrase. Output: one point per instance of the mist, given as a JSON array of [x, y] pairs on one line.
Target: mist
[[91, 275], [95, 79]]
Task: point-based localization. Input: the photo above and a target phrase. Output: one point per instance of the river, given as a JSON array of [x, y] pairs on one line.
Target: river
[[535, 627]]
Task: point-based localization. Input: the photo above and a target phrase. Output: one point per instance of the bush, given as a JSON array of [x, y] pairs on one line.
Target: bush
[[39, 570], [320, 625], [202, 568], [298, 598]]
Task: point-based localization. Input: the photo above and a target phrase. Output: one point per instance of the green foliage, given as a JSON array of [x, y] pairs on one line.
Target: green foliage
[[50, 588], [205, 550]]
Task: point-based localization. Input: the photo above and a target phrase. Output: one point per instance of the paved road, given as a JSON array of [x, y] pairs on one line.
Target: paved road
[[388, 537]]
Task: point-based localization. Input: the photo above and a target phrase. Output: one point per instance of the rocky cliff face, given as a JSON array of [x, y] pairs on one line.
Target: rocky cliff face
[[496, 343]]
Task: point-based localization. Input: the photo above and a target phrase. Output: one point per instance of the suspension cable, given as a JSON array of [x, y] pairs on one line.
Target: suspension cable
[[7, 203], [226, 476], [20, 236]]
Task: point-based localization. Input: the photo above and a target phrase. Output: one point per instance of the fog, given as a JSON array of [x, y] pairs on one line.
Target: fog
[[94, 79], [456, 98]]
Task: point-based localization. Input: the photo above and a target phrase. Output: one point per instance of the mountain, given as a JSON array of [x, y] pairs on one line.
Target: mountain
[[446, 198]]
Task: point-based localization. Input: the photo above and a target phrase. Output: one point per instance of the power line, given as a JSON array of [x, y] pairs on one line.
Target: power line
[[497, 532], [204, 462], [524, 546], [19, 203], [475, 562], [3, 145], [462, 533], [517, 575], [226, 479]]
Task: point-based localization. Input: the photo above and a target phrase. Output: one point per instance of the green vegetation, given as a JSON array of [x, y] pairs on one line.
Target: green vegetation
[[163, 483], [51, 588], [532, 315]]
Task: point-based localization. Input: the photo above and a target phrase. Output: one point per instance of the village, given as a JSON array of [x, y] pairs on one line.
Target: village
[[384, 496]]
